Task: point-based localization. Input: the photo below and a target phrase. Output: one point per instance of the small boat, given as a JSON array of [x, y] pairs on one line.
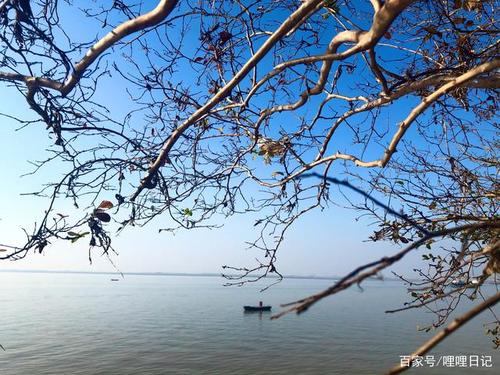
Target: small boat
[[114, 280], [261, 307]]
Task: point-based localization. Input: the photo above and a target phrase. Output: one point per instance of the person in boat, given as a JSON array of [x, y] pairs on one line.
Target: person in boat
[[260, 304]]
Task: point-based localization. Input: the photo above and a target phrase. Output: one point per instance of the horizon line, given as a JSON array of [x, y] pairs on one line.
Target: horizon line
[[162, 273]]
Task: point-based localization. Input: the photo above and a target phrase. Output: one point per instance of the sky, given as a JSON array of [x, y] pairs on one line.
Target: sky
[[323, 243]]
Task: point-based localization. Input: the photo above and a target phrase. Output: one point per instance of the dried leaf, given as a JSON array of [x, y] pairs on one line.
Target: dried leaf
[[105, 205]]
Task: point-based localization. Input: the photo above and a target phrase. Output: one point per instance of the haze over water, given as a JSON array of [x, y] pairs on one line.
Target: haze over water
[[86, 324]]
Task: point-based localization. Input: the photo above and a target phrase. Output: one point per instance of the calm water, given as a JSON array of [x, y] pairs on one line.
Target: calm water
[[85, 324]]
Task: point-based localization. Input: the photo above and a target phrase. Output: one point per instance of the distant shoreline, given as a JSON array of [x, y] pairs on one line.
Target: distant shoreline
[[208, 274], [205, 274]]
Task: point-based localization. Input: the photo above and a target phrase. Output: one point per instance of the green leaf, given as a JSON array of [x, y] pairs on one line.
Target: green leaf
[[76, 236]]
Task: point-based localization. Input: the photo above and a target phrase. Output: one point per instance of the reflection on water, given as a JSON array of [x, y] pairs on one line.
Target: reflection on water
[[86, 324], [260, 314]]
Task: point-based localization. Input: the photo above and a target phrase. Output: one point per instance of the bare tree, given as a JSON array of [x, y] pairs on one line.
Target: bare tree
[[392, 102]]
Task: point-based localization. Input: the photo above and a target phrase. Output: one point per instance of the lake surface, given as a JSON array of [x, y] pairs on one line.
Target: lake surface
[[86, 324]]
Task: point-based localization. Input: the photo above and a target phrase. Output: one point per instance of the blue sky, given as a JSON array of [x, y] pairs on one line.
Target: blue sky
[[329, 242]]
